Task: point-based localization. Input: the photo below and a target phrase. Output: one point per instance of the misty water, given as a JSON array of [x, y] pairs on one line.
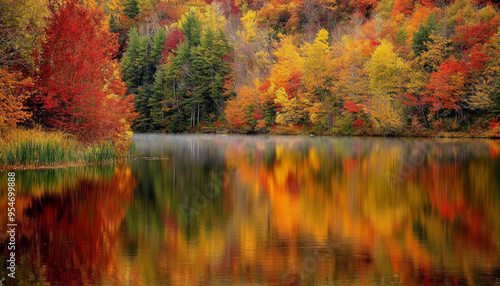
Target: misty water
[[264, 210]]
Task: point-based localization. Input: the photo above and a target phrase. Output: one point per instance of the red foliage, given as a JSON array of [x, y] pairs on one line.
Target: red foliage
[[265, 85], [174, 38], [476, 58], [257, 116], [80, 86], [358, 123], [363, 6], [169, 12], [403, 6], [469, 36], [351, 107], [446, 84], [293, 83], [494, 123]]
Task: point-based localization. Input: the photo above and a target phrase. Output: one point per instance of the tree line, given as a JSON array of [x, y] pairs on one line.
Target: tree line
[[365, 67]]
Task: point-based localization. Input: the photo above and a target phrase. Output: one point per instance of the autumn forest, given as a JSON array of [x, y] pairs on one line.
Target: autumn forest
[[100, 70]]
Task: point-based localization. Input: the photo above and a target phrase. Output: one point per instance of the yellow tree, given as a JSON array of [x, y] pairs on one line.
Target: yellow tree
[[249, 23], [349, 80], [485, 89], [287, 65], [316, 77], [386, 71], [286, 76], [21, 28], [316, 66], [291, 111], [212, 16], [438, 50]]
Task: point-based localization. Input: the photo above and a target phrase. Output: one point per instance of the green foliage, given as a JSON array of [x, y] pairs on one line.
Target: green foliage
[[422, 35], [38, 148], [139, 65], [98, 153], [343, 125], [192, 30], [131, 8], [401, 37], [190, 90]]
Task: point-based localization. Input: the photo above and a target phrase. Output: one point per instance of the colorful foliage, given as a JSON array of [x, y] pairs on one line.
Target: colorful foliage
[[80, 89]]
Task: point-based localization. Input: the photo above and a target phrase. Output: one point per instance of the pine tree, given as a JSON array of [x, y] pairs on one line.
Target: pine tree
[[128, 66], [131, 8], [140, 64], [191, 89], [156, 52], [422, 35]]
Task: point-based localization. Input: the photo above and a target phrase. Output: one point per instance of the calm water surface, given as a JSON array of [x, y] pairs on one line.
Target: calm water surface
[[265, 210]]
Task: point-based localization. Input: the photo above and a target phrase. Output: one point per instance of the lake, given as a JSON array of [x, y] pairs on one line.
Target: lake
[[265, 210]]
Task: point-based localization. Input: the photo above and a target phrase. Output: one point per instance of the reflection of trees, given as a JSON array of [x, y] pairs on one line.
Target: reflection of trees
[[327, 199], [291, 201], [72, 235], [436, 216]]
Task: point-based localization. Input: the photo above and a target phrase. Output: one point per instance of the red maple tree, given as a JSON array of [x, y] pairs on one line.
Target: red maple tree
[[446, 85], [79, 82]]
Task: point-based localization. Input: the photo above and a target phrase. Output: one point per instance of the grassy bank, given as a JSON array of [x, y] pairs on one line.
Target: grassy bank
[[35, 148]]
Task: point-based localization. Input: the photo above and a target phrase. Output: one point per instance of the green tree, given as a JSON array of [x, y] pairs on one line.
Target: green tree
[[192, 87], [131, 9], [422, 35], [139, 65]]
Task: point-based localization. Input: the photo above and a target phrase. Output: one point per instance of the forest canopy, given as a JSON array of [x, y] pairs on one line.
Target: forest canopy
[[99, 69]]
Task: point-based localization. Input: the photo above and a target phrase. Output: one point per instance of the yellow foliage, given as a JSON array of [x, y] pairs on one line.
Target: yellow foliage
[[317, 62], [249, 22], [462, 10], [210, 15], [348, 68], [438, 49], [22, 23], [480, 98], [387, 117], [386, 69], [291, 111]]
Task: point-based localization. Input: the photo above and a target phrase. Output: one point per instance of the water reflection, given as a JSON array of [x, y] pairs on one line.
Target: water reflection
[[230, 210]]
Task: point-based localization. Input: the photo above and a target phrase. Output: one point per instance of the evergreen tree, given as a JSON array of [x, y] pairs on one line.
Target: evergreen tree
[[191, 89], [139, 65], [422, 35], [128, 64], [131, 9], [155, 54]]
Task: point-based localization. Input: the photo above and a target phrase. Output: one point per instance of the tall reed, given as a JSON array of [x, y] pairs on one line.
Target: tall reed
[[36, 147]]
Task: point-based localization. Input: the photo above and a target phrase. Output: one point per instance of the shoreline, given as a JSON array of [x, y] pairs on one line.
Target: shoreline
[[444, 135], [49, 167], [79, 164]]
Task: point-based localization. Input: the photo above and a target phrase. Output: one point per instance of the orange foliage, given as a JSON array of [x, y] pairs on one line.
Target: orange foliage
[[13, 93]]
